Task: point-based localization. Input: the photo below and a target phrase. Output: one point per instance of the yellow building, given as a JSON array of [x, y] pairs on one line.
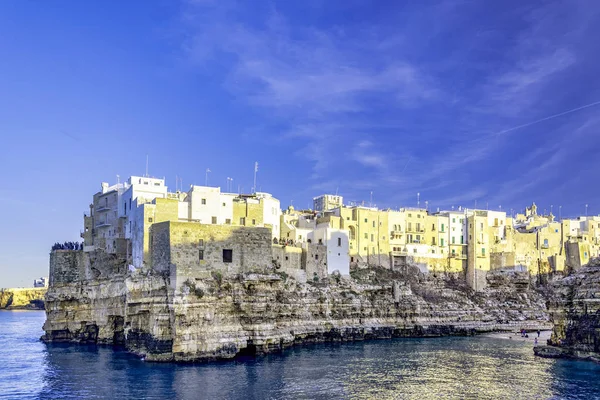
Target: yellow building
[[369, 235]]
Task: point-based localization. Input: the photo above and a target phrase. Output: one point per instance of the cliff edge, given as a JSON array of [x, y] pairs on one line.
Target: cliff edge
[[574, 309], [94, 298], [22, 299]]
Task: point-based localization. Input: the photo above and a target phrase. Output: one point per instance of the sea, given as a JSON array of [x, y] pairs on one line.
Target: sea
[[433, 368]]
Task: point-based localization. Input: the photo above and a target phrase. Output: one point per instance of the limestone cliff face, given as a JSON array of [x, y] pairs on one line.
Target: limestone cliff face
[[219, 316], [575, 313], [22, 298]]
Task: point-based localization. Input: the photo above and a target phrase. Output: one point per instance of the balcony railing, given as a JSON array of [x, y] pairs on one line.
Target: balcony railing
[[102, 224], [102, 209]]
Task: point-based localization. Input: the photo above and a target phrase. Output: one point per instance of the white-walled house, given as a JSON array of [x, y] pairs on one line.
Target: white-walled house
[[338, 247]]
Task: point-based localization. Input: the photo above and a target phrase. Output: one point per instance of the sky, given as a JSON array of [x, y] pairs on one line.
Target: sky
[[464, 102]]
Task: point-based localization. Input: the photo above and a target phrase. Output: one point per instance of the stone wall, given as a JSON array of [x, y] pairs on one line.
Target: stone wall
[[316, 261], [67, 266], [192, 250]]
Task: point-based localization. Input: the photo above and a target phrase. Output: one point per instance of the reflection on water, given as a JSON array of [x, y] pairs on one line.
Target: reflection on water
[[462, 368]]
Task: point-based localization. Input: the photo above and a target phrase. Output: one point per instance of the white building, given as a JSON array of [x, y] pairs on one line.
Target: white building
[[338, 247], [327, 202], [138, 190]]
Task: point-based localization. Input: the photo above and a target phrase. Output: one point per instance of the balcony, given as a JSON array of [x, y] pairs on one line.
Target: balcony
[[544, 246], [102, 224], [102, 209], [392, 233]]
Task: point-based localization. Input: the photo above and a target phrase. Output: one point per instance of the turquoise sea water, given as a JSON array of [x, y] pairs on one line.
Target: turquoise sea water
[[461, 368]]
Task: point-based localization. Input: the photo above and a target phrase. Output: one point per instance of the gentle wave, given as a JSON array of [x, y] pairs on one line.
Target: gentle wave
[[453, 367]]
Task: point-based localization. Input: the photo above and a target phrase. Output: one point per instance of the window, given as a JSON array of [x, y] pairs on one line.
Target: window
[[453, 240], [418, 227], [366, 235], [201, 243], [442, 241], [433, 241], [228, 221], [481, 225], [320, 241], [414, 250], [339, 242], [462, 239], [373, 224], [130, 204], [483, 251], [453, 252], [286, 258], [125, 209], [227, 255], [372, 238], [433, 227], [453, 220], [214, 220], [224, 204], [203, 201], [316, 256], [150, 219], [442, 227], [410, 226], [253, 222], [409, 215], [418, 215], [201, 254], [243, 221]]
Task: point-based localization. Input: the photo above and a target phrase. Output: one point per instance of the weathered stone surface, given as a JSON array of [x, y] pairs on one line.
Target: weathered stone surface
[[575, 312], [22, 298], [218, 315]]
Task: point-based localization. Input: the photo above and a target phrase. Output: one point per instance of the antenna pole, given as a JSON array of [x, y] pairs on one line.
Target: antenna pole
[[146, 165], [255, 171]]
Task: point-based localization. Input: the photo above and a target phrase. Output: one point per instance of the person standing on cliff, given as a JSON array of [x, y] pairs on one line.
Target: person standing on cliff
[[538, 332]]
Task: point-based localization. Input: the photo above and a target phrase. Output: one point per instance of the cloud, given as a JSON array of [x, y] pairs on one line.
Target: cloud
[[408, 109]]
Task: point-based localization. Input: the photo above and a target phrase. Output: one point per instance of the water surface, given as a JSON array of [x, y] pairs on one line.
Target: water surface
[[461, 368]]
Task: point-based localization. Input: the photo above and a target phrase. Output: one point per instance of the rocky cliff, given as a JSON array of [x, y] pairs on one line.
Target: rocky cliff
[[574, 308], [220, 316], [22, 298]]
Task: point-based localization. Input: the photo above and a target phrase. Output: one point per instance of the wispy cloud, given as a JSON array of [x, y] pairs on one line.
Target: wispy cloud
[[450, 120]]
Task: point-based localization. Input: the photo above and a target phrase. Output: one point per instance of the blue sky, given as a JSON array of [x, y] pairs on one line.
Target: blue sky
[[456, 100]]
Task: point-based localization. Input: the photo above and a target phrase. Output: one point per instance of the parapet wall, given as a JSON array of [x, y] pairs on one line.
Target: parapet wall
[[70, 266], [190, 250], [66, 266]]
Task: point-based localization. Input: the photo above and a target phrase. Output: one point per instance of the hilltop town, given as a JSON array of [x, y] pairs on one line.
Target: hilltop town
[[205, 274], [335, 237]]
